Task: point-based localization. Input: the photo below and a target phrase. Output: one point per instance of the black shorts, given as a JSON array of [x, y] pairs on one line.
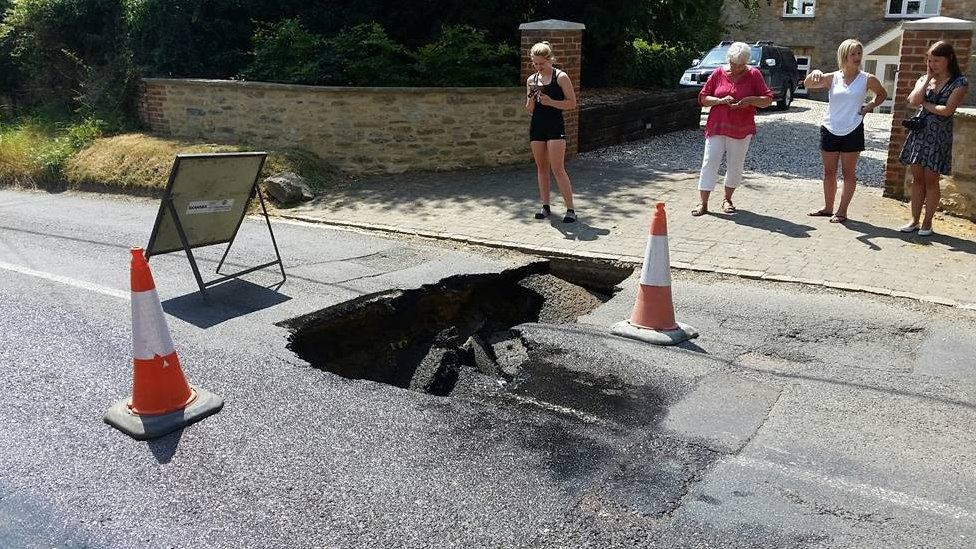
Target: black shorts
[[852, 142], [547, 128]]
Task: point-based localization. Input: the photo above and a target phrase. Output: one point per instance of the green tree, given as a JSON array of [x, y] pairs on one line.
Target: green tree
[[71, 55]]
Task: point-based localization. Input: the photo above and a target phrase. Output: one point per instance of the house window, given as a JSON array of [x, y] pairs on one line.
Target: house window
[[913, 8], [799, 8]]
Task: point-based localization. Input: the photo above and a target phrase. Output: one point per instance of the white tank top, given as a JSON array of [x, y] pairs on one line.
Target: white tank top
[[843, 116]]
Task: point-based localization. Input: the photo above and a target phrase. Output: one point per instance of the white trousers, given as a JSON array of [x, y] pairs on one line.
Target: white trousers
[[734, 151]]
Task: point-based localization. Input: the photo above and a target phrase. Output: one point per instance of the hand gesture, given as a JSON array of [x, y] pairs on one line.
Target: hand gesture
[[816, 77], [727, 100], [543, 98]]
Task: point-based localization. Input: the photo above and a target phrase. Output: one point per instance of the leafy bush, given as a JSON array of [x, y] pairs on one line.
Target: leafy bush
[[463, 56], [71, 55], [365, 55], [285, 52], [655, 65]]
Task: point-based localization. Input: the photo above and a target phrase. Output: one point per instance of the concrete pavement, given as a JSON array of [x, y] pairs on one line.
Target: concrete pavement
[[770, 237]]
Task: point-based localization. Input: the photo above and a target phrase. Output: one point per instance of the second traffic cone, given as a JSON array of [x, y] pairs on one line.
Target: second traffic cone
[[653, 317], [162, 401]]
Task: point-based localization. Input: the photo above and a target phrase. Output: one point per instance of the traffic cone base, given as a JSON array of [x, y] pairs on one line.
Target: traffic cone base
[[203, 403], [681, 332]]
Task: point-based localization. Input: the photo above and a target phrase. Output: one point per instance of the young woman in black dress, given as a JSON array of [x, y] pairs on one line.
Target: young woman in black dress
[[928, 149], [549, 92]]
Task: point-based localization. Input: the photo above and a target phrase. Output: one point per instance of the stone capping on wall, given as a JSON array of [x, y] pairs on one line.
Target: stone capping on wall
[[940, 24], [552, 24], [305, 88]]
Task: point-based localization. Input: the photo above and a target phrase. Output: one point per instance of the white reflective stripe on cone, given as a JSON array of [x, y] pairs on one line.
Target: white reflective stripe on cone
[[657, 262], [150, 335]]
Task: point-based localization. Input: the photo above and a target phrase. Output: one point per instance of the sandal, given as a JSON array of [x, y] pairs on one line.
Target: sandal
[[728, 207], [701, 209], [821, 213], [838, 219], [544, 212]]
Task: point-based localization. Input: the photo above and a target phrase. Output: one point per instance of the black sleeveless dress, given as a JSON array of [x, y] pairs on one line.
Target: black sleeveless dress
[[547, 122], [931, 145]]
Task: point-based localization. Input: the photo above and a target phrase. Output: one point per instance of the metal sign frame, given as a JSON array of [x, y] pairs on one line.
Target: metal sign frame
[[167, 205]]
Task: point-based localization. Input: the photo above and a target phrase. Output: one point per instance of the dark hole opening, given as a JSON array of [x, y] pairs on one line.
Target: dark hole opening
[[427, 338]]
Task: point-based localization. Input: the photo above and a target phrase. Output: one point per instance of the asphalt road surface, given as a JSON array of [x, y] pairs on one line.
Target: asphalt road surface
[[800, 418]]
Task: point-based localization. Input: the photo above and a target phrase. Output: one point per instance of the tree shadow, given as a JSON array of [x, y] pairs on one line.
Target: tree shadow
[[870, 233], [768, 223]]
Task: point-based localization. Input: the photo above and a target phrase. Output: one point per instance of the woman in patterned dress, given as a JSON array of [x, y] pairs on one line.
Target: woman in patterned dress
[[928, 149]]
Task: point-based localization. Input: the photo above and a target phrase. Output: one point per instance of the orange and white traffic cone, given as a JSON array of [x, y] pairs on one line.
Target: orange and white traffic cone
[[653, 317], [162, 401]]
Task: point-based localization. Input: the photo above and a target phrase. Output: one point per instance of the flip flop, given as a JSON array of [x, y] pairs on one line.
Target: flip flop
[[838, 219], [821, 213]]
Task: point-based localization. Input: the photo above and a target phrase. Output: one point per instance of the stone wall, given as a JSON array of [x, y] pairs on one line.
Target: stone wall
[[362, 130], [637, 116], [959, 193]]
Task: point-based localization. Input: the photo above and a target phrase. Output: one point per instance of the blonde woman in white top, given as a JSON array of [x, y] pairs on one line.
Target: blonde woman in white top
[[842, 130]]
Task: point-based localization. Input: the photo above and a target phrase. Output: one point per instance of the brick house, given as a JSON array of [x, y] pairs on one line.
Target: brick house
[[814, 29]]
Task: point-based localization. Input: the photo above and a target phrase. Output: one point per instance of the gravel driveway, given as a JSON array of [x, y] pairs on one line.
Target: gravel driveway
[[787, 146]]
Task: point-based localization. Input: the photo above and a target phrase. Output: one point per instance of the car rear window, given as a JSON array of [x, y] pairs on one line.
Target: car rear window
[[717, 56]]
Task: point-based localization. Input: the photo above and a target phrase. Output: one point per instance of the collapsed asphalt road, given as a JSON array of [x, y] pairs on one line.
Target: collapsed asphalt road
[[800, 418]]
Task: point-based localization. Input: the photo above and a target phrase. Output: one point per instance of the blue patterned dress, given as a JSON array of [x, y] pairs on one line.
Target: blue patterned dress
[[931, 146]]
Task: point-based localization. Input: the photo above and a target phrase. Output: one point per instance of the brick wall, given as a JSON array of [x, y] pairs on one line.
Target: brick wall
[[915, 41], [959, 194], [362, 130], [566, 40]]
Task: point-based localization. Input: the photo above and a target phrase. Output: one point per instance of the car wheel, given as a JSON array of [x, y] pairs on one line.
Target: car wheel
[[784, 103]]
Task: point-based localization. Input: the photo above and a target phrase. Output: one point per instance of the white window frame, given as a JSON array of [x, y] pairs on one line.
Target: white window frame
[[904, 10], [804, 69], [799, 4]]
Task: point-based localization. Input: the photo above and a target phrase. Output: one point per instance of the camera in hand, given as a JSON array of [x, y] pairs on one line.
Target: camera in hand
[[914, 123], [534, 91]]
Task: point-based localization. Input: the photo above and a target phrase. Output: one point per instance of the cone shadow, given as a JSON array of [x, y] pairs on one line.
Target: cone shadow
[[222, 302], [163, 449]]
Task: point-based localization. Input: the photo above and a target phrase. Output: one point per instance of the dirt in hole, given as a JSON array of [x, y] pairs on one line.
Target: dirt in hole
[[426, 339]]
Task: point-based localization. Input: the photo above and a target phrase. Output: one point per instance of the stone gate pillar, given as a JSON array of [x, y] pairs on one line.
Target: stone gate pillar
[[566, 40], [915, 41]]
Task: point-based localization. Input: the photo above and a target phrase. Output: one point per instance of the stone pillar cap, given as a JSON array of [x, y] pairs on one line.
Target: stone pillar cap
[[940, 23], [552, 24]]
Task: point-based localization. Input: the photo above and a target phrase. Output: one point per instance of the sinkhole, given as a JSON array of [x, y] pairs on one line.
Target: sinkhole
[[425, 339]]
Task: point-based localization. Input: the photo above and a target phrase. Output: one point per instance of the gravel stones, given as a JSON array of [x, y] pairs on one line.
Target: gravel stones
[[786, 146]]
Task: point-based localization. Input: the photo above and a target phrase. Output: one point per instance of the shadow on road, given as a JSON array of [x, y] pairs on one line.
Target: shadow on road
[[768, 223], [578, 230], [164, 448], [223, 302], [870, 232]]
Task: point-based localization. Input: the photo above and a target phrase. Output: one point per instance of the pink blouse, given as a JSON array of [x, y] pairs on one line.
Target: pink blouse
[[724, 120]]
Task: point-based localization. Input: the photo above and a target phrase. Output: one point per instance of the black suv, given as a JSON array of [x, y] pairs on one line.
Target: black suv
[[776, 63]]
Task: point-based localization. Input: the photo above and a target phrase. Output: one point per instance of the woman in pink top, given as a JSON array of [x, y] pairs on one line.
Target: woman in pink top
[[733, 92]]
